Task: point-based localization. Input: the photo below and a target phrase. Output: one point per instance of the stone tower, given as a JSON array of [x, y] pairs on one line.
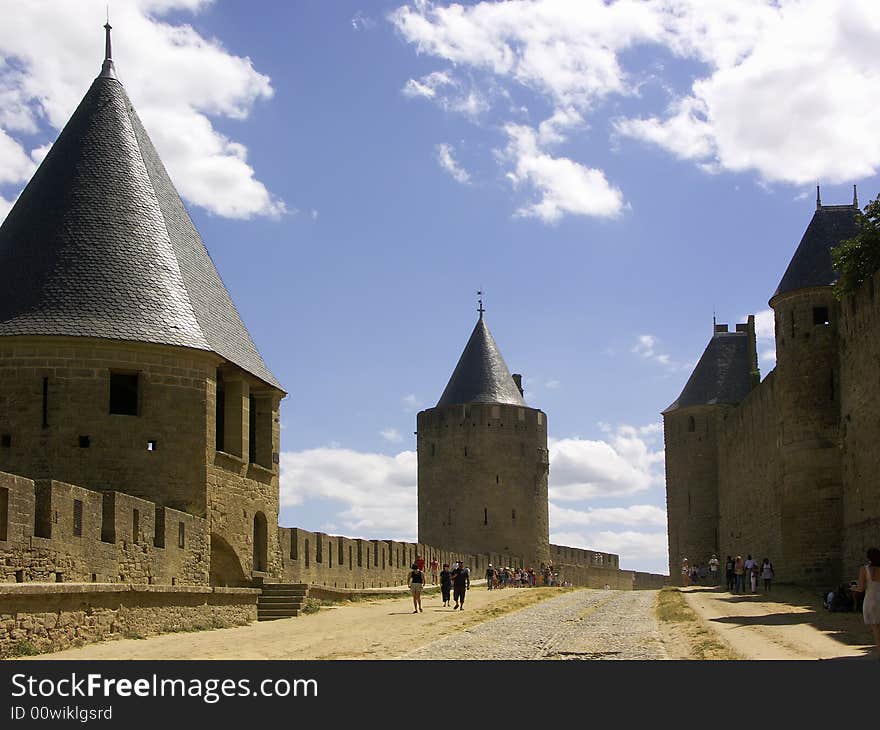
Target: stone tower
[[724, 375], [124, 365], [483, 461], [807, 372]]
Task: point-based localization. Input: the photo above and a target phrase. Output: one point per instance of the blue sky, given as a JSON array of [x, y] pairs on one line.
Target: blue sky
[[609, 174]]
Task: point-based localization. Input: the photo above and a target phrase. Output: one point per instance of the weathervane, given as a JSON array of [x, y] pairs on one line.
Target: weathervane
[[480, 302]]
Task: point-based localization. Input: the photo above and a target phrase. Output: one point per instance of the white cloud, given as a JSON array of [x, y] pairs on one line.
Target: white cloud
[[552, 130], [446, 160], [782, 88], [646, 347], [377, 493], [552, 384], [626, 463], [456, 98], [645, 551], [637, 515], [391, 434], [175, 77], [765, 335], [362, 22], [563, 186], [411, 403]]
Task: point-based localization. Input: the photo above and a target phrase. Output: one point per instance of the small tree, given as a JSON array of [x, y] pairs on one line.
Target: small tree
[[857, 258]]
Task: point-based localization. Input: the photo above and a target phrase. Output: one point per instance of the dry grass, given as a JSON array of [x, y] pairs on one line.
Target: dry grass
[[685, 635]]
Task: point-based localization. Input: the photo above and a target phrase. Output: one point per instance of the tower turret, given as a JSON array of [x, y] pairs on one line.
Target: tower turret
[[807, 373], [483, 461], [724, 375]]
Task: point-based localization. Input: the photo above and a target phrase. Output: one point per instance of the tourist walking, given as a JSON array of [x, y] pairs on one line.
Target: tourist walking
[[869, 584], [729, 574], [416, 584], [490, 577], [445, 583], [713, 569], [461, 581], [749, 565], [434, 568], [739, 572], [767, 573], [753, 575]]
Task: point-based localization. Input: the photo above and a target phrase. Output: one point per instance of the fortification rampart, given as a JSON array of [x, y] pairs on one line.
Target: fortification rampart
[[56, 532], [750, 478]]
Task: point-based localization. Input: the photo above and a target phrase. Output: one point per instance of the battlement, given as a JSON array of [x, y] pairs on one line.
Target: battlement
[[51, 531]]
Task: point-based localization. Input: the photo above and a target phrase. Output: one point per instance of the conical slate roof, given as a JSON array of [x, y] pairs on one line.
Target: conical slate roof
[[99, 244], [481, 375], [723, 374], [811, 264]]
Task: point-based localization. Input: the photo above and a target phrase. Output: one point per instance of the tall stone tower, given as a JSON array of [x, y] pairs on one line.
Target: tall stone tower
[[807, 372], [124, 364], [724, 375], [483, 461]]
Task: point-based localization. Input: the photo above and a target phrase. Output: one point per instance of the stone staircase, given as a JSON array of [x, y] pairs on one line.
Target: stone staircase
[[281, 600]]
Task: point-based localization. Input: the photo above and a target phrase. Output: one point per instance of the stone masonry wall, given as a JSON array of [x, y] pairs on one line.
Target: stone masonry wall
[[49, 537], [750, 480], [39, 618], [483, 479], [860, 423]]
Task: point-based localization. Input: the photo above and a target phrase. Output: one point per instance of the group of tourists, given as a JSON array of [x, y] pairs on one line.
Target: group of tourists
[[456, 581], [519, 577], [742, 575]]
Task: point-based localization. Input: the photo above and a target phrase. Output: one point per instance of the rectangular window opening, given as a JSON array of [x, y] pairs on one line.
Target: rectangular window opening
[[181, 535], [77, 518], [6, 440], [820, 316], [252, 429], [124, 394], [220, 413], [84, 442], [4, 513], [151, 445]]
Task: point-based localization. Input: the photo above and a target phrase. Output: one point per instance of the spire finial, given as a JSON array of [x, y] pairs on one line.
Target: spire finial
[[818, 199], [855, 197], [480, 302], [107, 70]]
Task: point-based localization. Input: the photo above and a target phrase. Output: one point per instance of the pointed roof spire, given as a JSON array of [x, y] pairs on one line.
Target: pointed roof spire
[[481, 375], [855, 197], [818, 199], [480, 302], [107, 70]]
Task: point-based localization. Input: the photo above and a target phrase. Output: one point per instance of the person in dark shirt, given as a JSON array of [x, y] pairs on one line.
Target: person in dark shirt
[[416, 585], [461, 581], [490, 577], [445, 583]]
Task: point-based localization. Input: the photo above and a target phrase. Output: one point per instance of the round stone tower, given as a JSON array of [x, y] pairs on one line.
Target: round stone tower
[[483, 461], [725, 374], [807, 373]]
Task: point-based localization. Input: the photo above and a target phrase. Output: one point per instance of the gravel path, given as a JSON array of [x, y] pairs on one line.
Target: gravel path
[[585, 624]]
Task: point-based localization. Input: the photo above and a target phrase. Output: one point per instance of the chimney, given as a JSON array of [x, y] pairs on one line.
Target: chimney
[[517, 378]]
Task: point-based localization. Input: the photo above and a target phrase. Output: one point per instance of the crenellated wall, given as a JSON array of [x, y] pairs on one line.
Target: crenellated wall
[[57, 532]]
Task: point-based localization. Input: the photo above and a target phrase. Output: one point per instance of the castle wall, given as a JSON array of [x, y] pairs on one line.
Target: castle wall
[[808, 388], [750, 479], [482, 473], [40, 618], [238, 489], [49, 538], [691, 441], [860, 423], [71, 435]]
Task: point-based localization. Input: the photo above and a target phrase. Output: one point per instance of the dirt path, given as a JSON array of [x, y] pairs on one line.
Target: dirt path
[[788, 623], [377, 629]]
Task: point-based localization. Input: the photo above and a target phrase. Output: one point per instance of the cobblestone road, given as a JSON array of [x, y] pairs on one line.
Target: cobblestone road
[[585, 624]]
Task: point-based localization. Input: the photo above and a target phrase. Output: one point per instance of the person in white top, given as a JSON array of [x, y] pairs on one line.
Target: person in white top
[[869, 584], [713, 569], [749, 565]]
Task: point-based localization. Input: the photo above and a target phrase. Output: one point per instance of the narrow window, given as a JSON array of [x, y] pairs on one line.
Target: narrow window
[[220, 413], [689, 502], [350, 564], [77, 518], [465, 450], [6, 440], [293, 545], [84, 442], [307, 553], [45, 402], [151, 445], [692, 424], [375, 553], [792, 323], [252, 429], [123, 394], [181, 535], [485, 516], [360, 555], [497, 480], [319, 549], [135, 525], [820, 316], [341, 554], [4, 513], [513, 514]]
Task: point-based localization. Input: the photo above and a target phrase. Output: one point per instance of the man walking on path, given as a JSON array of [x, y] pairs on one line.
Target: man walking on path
[[445, 583], [461, 581], [713, 569], [490, 577], [434, 568]]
